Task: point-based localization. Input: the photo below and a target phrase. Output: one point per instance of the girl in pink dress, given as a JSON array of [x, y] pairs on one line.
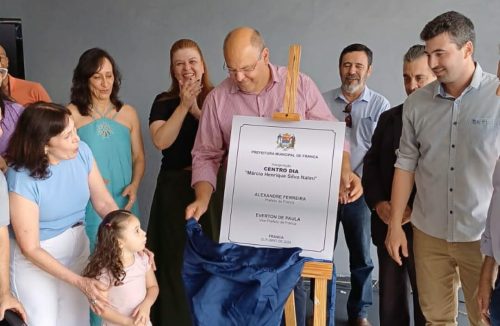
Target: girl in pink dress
[[116, 262]]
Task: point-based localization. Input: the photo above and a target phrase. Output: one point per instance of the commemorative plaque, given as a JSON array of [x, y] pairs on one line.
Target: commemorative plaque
[[282, 184]]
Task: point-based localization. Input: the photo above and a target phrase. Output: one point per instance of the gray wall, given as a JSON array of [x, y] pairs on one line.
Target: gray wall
[[139, 34]]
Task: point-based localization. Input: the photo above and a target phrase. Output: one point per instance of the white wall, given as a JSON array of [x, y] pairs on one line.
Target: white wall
[[139, 34]]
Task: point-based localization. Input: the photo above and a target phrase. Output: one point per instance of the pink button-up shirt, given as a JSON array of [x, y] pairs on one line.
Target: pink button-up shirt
[[226, 100]]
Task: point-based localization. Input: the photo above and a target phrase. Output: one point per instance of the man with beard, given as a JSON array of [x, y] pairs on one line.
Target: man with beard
[[360, 108]]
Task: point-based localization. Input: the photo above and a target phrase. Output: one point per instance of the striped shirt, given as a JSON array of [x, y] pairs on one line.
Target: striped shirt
[[226, 100]]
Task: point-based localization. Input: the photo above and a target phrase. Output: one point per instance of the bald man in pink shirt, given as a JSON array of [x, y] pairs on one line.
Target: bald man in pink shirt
[[255, 87]]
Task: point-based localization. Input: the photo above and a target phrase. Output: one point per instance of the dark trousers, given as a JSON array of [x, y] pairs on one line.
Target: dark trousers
[[495, 304], [394, 288], [167, 239]]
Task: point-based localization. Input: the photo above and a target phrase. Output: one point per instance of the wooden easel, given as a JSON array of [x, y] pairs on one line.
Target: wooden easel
[[292, 76], [320, 271]]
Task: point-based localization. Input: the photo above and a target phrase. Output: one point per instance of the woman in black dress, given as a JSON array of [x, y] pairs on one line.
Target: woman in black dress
[[173, 123]]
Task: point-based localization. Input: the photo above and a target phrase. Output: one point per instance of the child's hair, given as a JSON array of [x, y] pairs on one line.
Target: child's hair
[[107, 254]]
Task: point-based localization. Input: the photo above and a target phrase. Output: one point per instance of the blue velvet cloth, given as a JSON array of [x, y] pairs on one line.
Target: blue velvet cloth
[[228, 284]]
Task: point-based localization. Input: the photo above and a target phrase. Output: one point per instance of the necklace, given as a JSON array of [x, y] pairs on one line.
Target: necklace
[[101, 113], [104, 129]]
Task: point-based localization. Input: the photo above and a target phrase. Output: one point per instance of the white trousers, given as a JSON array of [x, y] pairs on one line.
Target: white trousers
[[49, 301]]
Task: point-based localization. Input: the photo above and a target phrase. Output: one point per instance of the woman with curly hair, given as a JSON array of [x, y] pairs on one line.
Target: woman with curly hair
[[131, 282]]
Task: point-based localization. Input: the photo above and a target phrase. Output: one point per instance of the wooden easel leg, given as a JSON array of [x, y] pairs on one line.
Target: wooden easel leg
[[290, 319], [320, 291]]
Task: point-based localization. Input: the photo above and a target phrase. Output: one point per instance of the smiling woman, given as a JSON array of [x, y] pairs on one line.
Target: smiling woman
[[173, 123]]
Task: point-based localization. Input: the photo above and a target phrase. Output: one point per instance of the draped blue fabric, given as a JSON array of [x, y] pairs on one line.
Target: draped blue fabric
[[228, 284]]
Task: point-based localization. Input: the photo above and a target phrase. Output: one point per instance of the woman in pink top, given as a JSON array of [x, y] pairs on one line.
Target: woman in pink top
[[131, 280]]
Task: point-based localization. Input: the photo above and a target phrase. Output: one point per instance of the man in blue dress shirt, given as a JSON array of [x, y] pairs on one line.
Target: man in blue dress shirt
[[360, 108]]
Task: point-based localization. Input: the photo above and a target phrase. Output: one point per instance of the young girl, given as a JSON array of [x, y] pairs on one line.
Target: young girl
[[132, 283]]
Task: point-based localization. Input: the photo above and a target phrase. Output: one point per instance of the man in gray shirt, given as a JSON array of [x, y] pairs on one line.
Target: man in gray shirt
[[449, 146], [7, 301]]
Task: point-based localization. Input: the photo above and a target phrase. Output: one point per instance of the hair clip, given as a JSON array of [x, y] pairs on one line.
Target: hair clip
[[108, 225]]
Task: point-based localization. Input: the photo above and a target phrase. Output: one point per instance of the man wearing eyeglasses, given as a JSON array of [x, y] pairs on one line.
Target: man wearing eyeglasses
[[254, 87], [360, 108], [22, 91]]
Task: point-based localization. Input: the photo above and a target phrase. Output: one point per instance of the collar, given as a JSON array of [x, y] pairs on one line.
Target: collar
[[365, 95], [475, 83]]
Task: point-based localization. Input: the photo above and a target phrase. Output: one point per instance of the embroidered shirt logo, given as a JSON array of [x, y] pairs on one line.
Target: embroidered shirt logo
[[481, 122]]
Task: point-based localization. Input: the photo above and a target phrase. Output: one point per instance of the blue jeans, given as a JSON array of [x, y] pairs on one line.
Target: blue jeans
[[495, 304], [356, 222]]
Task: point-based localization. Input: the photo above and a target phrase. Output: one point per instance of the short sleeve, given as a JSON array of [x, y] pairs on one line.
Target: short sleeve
[[408, 152], [144, 262], [162, 109], [85, 154], [16, 107], [22, 184], [4, 202], [104, 278], [41, 93]]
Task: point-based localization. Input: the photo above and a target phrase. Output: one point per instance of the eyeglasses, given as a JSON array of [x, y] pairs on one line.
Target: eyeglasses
[[244, 70], [348, 117], [3, 73]]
